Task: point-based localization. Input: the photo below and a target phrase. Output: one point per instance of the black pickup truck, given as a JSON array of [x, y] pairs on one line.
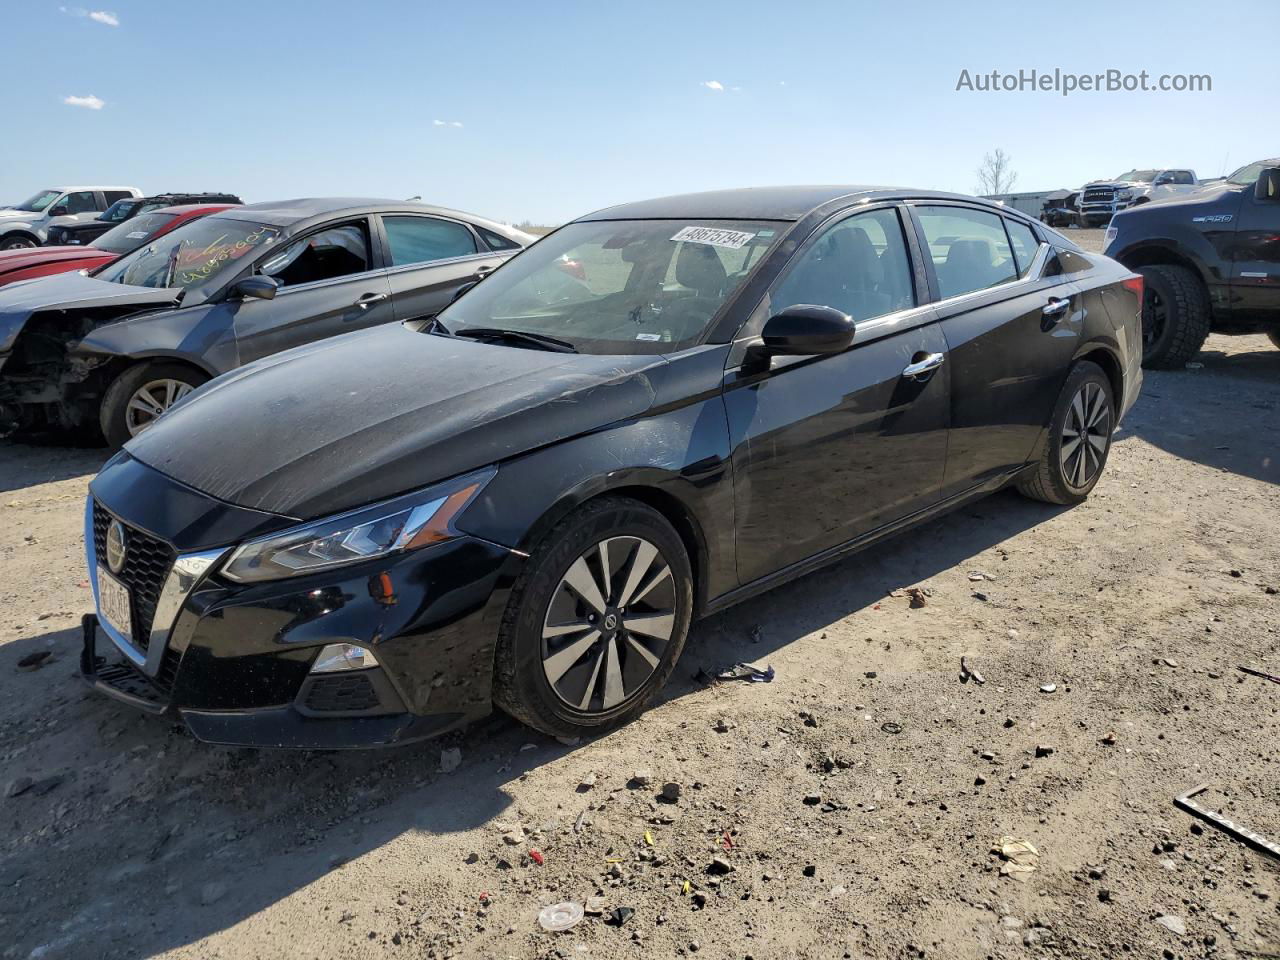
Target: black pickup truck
[[1210, 260]]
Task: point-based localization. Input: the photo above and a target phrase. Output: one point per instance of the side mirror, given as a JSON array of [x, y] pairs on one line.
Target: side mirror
[[256, 288], [803, 330], [59, 211], [1267, 189]]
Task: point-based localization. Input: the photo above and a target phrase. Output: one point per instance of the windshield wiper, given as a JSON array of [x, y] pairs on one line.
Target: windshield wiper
[[539, 340]]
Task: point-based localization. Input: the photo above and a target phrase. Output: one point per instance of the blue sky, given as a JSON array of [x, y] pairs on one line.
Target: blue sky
[[543, 111]]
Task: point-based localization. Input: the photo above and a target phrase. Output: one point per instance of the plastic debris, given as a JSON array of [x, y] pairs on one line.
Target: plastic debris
[[1020, 857], [648, 837], [537, 857], [726, 841], [560, 916], [1048, 688], [967, 673], [686, 888], [739, 671], [594, 906]]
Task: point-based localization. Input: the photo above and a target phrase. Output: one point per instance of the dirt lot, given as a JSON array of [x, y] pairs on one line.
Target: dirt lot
[[853, 803]]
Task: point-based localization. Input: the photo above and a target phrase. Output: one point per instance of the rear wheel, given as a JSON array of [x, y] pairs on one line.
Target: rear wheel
[[1175, 316], [596, 622], [1079, 439], [140, 395]]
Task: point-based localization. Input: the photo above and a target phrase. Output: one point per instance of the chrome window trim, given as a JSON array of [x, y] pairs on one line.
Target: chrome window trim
[[331, 282], [1034, 276], [447, 261], [188, 570]]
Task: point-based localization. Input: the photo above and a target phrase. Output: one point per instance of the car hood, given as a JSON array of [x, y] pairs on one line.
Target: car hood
[[13, 260], [366, 416], [9, 213], [70, 291]]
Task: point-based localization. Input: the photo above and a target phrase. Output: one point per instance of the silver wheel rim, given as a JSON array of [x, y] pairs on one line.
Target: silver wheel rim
[[1085, 436], [151, 400], [608, 624]]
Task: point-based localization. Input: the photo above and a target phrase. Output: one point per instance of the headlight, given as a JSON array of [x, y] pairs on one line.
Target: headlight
[[406, 523], [1125, 194]]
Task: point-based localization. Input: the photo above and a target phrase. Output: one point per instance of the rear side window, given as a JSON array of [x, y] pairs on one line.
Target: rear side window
[[1024, 243], [1067, 261], [424, 239], [497, 241], [114, 195], [859, 266], [969, 249]]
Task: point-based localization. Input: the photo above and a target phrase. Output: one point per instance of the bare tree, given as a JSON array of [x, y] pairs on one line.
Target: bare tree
[[995, 176]]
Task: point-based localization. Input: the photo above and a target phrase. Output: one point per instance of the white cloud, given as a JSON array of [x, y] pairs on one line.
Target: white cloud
[[437, 123], [446, 123], [782, 83], [104, 17], [715, 85], [455, 123], [89, 103]]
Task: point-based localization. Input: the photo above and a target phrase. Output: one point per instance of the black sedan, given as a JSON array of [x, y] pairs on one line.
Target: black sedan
[[656, 411]]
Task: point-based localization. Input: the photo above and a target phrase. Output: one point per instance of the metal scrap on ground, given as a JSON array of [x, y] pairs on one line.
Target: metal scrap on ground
[[1243, 834]]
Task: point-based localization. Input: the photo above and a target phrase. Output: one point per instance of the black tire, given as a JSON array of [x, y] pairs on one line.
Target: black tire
[[18, 242], [114, 415], [522, 687], [1274, 337], [1051, 480], [1175, 316]]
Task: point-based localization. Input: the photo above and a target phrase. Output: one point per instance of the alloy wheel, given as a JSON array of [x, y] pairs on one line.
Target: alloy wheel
[[608, 624], [1085, 435], [151, 400], [18, 245]]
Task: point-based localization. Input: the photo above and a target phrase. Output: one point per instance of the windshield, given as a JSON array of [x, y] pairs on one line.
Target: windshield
[[620, 286], [118, 211], [1248, 176], [126, 236], [41, 200], [194, 255], [1138, 176]]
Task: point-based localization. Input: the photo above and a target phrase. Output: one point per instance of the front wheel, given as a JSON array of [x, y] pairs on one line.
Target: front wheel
[[141, 395], [1079, 439], [17, 243], [596, 622]]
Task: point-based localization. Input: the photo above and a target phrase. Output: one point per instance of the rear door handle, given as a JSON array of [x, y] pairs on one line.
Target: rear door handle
[[1055, 307], [370, 298], [923, 368], [484, 270]]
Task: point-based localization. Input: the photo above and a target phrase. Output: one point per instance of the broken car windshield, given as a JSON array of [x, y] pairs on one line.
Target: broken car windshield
[[618, 287], [192, 256]]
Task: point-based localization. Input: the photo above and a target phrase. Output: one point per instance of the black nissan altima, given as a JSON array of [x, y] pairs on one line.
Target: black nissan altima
[[654, 412]]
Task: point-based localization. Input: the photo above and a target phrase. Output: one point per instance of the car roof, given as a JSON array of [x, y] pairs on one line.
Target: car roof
[[286, 213], [768, 203], [93, 186], [192, 207]]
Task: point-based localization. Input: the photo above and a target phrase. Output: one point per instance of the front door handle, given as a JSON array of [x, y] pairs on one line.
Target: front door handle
[[921, 369], [370, 298], [1056, 306]]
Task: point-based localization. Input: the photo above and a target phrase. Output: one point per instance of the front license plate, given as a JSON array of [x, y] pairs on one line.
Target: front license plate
[[113, 604]]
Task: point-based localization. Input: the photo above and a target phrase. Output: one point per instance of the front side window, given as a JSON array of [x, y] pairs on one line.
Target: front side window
[[195, 255], [125, 236], [425, 239], [860, 267], [83, 201], [969, 249], [1024, 243], [326, 255], [621, 286]]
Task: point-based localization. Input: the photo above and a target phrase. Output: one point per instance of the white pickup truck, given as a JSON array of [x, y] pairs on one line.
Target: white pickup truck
[[27, 224], [1101, 198]]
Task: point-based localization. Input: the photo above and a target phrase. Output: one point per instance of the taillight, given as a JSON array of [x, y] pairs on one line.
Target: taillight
[[1135, 284]]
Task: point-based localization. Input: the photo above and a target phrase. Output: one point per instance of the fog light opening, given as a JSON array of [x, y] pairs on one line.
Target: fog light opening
[[337, 657]]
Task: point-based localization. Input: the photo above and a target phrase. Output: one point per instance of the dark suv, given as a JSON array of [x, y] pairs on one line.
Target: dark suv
[[71, 234], [1211, 261]]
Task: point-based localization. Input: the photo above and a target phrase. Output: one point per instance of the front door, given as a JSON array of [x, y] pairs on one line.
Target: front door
[[1012, 319], [1255, 267], [828, 448], [328, 286]]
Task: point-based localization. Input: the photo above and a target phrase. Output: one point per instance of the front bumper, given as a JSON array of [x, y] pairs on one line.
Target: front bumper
[[233, 661]]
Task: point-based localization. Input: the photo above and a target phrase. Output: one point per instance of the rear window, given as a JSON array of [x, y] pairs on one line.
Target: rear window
[[133, 233]]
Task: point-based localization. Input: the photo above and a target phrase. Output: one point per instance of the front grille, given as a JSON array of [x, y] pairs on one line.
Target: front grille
[[146, 565], [1099, 195], [341, 694]]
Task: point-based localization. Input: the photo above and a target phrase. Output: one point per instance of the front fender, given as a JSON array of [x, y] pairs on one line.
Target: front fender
[[199, 335]]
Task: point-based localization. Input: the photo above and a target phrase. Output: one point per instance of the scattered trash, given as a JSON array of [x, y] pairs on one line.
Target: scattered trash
[[34, 661], [648, 837], [594, 906], [560, 916], [967, 674], [1246, 836], [1253, 673], [918, 598], [1019, 856], [1174, 924], [450, 760], [537, 857], [891, 727], [1048, 688], [621, 915], [726, 841], [686, 888]]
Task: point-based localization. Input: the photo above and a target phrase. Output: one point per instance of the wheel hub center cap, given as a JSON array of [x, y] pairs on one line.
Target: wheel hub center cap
[[611, 621]]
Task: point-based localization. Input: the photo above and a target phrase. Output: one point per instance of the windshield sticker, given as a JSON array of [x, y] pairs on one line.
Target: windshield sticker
[[650, 337], [733, 239], [137, 235]]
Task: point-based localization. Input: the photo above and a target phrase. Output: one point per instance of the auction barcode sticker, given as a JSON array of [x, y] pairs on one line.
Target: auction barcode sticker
[[733, 239]]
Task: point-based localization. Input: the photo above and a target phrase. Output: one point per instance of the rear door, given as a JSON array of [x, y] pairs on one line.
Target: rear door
[[1012, 318], [330, 284], [831, 447], [428, 259], [1255, 268]]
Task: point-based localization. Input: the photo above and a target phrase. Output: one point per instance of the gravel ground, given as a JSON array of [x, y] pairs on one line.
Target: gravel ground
[[847, 809]]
